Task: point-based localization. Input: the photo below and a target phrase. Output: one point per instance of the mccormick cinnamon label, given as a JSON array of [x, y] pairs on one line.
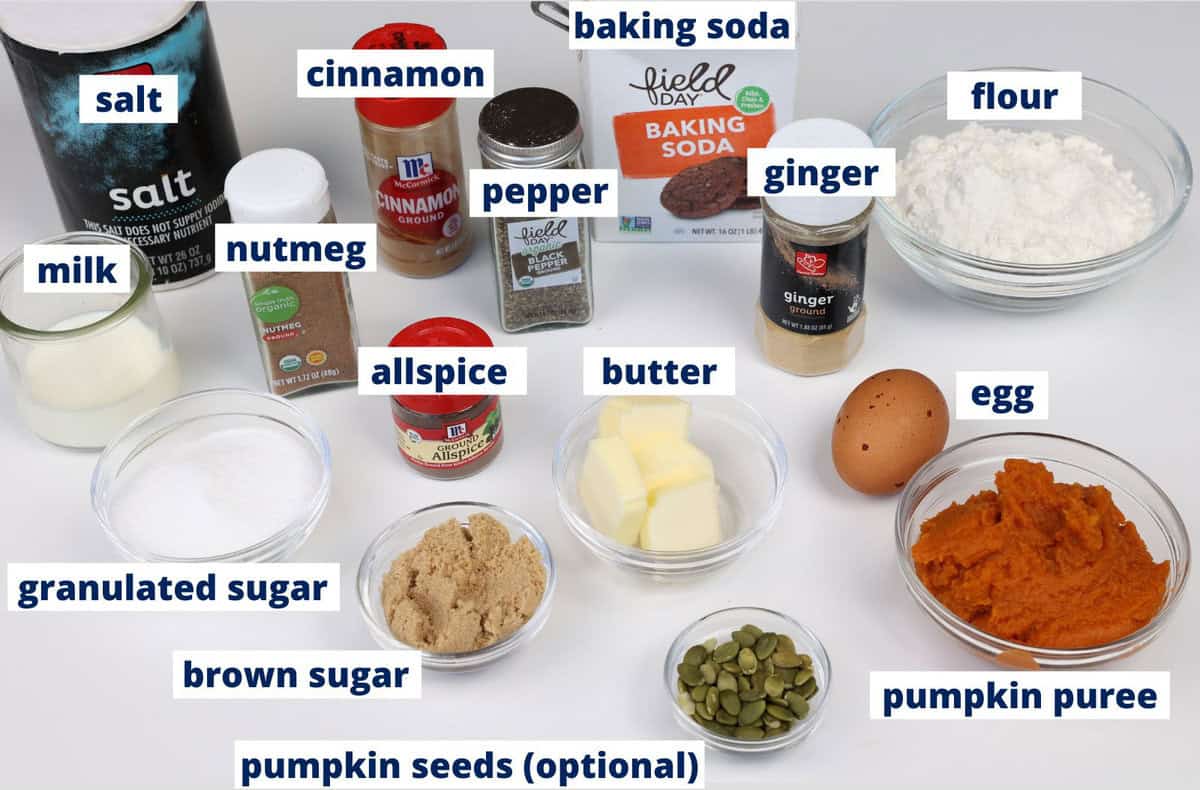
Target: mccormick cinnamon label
[[420, 202], [454, 444]]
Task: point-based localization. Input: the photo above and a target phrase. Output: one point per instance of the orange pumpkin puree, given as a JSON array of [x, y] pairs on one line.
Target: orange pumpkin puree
[[1041, 563]]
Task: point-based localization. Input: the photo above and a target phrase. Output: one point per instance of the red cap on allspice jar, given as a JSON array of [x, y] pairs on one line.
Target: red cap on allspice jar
[[409, 111], [440, 331]]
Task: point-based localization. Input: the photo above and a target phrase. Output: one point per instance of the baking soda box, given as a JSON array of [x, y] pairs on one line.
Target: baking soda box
[[676, 125]]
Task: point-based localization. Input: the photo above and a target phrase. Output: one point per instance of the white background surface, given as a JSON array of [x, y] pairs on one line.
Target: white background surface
[[86, 699]]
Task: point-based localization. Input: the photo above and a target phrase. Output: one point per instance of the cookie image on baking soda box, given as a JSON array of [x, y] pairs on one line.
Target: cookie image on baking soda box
[[676, 125]]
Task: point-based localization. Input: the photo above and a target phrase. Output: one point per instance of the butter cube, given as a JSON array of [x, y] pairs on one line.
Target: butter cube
[[645, 419], [612, 490], [683, 518], [670, 462]]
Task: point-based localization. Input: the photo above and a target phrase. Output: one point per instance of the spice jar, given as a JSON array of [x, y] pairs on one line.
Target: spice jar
[[446, 437], [85, 365], [304, 321], [811, 317], [543, 266], [414, 168]]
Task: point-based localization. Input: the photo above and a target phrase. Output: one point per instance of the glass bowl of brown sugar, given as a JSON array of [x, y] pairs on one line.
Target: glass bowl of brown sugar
[[465, 583]]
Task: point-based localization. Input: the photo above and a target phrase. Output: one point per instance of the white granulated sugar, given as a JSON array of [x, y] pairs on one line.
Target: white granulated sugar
[[1023, 197], [200, 492]]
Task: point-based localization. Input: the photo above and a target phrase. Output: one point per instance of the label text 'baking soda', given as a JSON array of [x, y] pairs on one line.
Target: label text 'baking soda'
[[129, 98], [395, 73], [76, 268], [401, 765], [540, 193], [683, 370], [296, 674], [173, 587], [1014, 95], [1002, 395], [295, 247], [672, 24], [1020, 695], [442, 370], [821, 172]]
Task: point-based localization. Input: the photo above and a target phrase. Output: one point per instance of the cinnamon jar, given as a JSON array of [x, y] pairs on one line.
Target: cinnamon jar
[[414, 168]]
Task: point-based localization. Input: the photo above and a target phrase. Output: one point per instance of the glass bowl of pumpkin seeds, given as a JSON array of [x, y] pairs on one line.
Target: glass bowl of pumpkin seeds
[[747, 679]]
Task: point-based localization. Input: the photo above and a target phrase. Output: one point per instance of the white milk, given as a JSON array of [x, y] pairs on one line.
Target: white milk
[[82, 392]]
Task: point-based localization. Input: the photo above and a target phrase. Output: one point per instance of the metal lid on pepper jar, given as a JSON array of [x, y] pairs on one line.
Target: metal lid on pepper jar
[[529, 127], [440, 331], [410, 111]]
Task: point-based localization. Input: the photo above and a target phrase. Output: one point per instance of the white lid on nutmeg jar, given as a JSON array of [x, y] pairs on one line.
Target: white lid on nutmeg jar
[[826, 209], [278, 185]]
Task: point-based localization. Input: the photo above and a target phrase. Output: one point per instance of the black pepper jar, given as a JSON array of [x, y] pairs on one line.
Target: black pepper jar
[[543, 265]]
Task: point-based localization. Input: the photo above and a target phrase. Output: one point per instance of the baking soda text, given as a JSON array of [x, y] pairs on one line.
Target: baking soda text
[[296, 247], [76, 268], [683, 370], [442, 370], [1014, 95], [1024, 695], [537, 192], [296, 674], [600, 24], [394, 73], [128, 98], [821, 172], [168, 587]]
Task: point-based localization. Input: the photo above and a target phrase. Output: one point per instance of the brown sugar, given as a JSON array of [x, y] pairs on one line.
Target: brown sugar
[[463, 588], [1042, 563]]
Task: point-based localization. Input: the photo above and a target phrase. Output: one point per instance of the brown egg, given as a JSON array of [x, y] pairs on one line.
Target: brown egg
[[887, 428]]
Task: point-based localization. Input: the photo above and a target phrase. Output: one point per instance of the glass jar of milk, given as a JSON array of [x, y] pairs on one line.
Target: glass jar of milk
[[84, 365]]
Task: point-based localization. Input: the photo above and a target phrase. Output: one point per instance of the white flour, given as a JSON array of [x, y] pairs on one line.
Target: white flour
[[1024, 197]]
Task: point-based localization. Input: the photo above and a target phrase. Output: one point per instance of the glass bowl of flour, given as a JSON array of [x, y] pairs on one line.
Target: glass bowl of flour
[[222, 475], [1029, 215]]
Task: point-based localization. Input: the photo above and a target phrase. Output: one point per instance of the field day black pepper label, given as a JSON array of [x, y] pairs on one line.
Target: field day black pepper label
[[813, 290], [544, 253]]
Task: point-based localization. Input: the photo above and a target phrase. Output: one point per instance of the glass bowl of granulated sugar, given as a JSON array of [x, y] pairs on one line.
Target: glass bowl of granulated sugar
[[1030, 215], [223, 475]]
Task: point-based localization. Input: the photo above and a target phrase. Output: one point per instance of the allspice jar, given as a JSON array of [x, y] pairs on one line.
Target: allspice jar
[[414, 168], [446, 437], [811, 317]]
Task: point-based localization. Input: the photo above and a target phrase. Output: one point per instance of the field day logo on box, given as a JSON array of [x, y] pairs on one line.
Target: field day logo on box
[[414, 168], [663, 88], [811, 264]]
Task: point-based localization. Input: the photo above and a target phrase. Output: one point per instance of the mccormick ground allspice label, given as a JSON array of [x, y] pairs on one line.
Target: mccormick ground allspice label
[[157, 185]]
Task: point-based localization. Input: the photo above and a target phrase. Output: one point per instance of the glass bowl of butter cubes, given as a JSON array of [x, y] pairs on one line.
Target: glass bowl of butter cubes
[[669, 487]]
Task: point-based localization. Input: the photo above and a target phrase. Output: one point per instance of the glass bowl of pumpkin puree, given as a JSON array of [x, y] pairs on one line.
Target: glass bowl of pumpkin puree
[[1041, 551]]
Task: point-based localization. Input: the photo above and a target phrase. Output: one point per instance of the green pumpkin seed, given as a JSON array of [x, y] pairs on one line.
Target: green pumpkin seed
[[725, 652], [703, 713], [802, 676], [765, 646], [780, 730], [753, 630], [712, 700], [769, 667], [749, 733], [809, 689], [686, 703], [747, 661], [806, 661], [751, 712], [751, 695], [695, 655], [780, 712], [680, 686], [690, 674], [708, 671], [731, 667], [771, 723], [788, 676], [773, 685], [798, 705], [784, 660], [731, 703], [785, 643], [698, 693], [726, 682], [724, 718], [743, 682], [744, 638], [710, 645]]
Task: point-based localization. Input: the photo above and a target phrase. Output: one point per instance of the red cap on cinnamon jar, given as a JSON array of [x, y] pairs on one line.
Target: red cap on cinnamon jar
[[406, 111]]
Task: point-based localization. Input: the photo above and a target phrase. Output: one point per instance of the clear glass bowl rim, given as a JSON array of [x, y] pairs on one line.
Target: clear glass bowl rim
[[998, 645], [660, 561], [301, 423], [1163, 230], [820, 656], [471, 658]]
